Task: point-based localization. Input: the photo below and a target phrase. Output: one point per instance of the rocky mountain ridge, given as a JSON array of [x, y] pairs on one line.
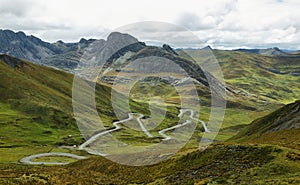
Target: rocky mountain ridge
[[267, 52]]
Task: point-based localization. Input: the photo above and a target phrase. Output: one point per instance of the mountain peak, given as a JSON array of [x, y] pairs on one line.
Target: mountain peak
[[59, 42], [8, 31], [83, 40], [275, 51], [207, 47], [169, 49], [21, 34], [117, 36]]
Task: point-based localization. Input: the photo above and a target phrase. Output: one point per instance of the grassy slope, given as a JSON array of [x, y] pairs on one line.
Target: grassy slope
[[36, 111], [262, 90], [241, 70], [274, 129]]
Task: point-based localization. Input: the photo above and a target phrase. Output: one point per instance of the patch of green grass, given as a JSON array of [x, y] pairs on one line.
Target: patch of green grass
[[281, 170]]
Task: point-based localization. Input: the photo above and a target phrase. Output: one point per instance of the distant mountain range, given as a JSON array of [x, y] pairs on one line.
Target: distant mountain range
[[268, 52], [66, 56], [59, 54]]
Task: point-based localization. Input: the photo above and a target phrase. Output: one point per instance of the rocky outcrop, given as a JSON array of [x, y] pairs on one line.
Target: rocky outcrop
[[12, 62], [169, 49]]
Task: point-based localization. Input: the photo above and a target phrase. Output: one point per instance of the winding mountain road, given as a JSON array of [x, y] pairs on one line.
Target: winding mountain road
[[95, 137], [195, 119], [83, 146], [117, 127], [28, 160], [142, 126], [166, 137]]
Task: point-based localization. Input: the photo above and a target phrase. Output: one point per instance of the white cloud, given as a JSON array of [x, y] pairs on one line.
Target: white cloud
[[228, 23]]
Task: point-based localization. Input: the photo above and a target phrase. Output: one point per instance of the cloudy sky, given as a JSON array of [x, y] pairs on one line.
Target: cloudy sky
[[218, 23]]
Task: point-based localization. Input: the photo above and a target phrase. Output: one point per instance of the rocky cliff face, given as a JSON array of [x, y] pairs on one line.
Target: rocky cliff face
[[59, 55], [15, 63], [64, 56], [26, 47]]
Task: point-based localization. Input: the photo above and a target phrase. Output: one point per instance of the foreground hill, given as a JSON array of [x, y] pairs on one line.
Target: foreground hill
[[281, 127]]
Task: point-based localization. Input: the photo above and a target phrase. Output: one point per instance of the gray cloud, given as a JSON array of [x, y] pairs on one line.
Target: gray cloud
[[74, 34], [32, 25], [16, 8], [229, 23], [193, 22]]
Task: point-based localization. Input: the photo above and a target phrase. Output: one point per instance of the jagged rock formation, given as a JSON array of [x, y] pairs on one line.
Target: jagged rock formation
[[60, 55]]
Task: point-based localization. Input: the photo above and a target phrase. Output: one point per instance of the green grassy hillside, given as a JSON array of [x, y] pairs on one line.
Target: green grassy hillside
[[281, 127], [36, 112], [263, 79], [270, 78]]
